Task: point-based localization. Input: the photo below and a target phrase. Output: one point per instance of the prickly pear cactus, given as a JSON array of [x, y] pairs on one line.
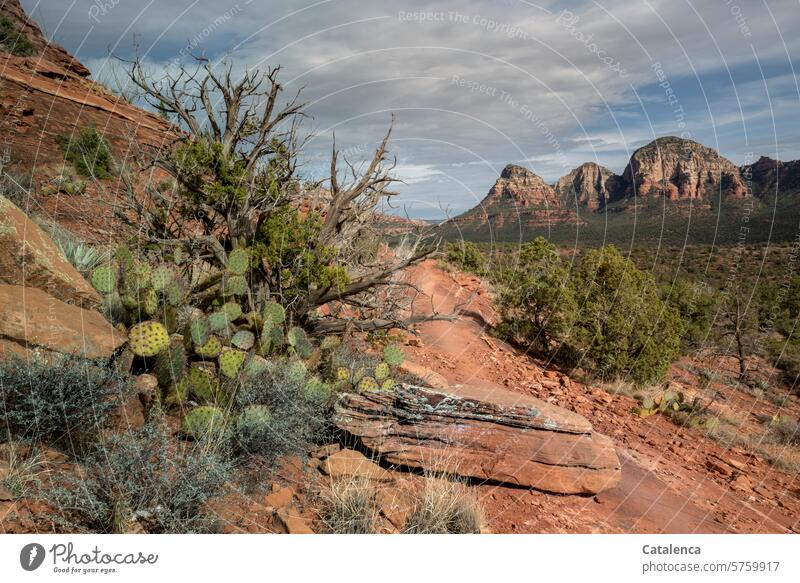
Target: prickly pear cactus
[[243, 339], [230, 361], [381, 371], [200, 330], [256, 366], [342, 373], [218, 321], [232, 310], [210, 349], [393, 355], [171, 364], [205, 422], [202, 384], [234, 285], [367, 385], [238, 261], [317, 389], [161, 278], [104, 279], [274, 312], [388, 385], [330, 343], [148, 338], [298, 340]]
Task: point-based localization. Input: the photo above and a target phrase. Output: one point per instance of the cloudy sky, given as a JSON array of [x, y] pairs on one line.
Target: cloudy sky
[[478, 84]]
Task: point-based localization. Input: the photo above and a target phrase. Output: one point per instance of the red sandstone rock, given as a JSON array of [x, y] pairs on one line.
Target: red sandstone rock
[[32, 319], [30, 258], [482, 432]]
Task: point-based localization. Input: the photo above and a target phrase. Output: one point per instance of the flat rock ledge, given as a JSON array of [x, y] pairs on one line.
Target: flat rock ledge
[[482, 432]]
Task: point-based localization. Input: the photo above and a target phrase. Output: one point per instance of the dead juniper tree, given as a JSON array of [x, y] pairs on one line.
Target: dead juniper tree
[[232, 182]]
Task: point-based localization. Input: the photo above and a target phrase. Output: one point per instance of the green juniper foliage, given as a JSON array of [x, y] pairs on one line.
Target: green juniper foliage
[[13, 40], [88, 152], [605, 316]]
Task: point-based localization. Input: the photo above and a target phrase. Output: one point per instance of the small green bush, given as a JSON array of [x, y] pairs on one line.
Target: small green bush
[[295, 419], [466, 256], [88, 152], [12, 40], [16, 188], [142, 476], [60, 398]]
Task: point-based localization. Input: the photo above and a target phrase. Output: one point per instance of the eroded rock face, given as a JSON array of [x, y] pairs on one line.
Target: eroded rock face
[[518, 186], [681, 169], [30, 258], [30, 318], [767, 177], [589, 185], [482, 432]]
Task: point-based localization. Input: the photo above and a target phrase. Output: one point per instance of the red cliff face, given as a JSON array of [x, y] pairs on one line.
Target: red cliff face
[[589, 185], [767, 177], [681, 170], [518, 186]]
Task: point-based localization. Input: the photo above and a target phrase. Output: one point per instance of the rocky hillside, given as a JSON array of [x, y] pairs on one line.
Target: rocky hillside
[[669, 168], [46, 93], [680, 169], [589, 185]]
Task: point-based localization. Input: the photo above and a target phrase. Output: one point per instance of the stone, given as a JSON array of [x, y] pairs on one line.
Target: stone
[[425, 375], [279, 498], [483, 432], [742, 482], [589, 185], [31, 259], [395, 505], [718, 466], [5, 494], [680, 169], [291, 521], [348, 463], [326, 450], [31, 318]]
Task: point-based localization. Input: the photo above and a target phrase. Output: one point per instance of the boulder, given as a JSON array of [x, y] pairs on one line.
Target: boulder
[[30, 318], [348, 463], [30, 258], [482, 432]]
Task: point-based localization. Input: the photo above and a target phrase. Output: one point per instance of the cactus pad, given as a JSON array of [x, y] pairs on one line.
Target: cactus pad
[[202, 385], [161, 278], [232, 310], [330, 343], [104, 279], [388, 384], [393, 355], [342, 373], [238, 261], [235, 285], [254, 417], [256, 366], [317, 390], [150, 302], [218, 321], [367, 385], [382, 371], [199, 330], [230, 361], [210, 349], [243, 339], [148, 338], [204, 422], [171, 364], [297, 339], [274, 311]]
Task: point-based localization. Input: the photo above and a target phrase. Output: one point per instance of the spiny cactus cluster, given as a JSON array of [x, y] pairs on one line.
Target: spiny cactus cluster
[[379, 378], [201, 356]]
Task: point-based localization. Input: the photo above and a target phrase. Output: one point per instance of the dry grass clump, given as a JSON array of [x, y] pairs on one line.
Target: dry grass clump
[[350, 507], [444, 507]]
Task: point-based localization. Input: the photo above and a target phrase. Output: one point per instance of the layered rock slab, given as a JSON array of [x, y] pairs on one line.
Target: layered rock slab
[[28, 257], [30, 318], [482, 432]]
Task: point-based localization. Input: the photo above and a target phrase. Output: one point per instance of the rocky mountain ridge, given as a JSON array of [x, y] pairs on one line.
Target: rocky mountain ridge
[[669, 168]]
